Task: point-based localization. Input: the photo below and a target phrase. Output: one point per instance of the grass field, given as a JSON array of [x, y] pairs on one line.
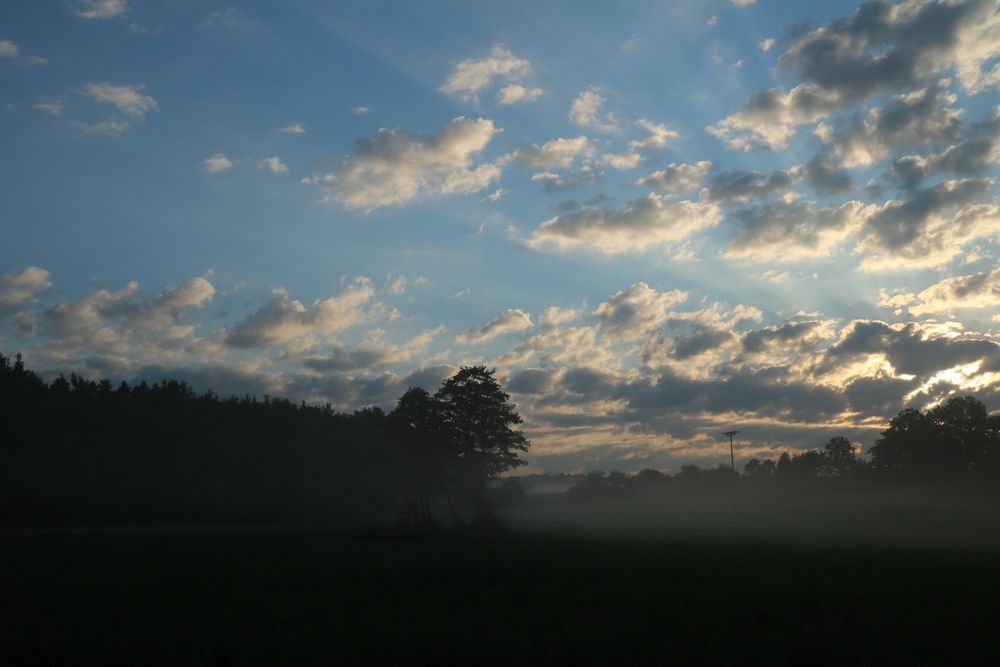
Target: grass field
[[313, 597]]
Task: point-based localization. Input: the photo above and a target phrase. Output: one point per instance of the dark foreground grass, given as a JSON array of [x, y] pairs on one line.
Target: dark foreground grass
[[311, 598]]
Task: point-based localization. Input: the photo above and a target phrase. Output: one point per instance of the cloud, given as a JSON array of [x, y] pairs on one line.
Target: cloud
[[552, 182], [979, 290], [554, 316], [512, 319], [110, 128], [921, 117], [880, 48], [657, 139], [824, 175], [293, 128], [124, 324], [622, 161], [554, 154], [638, 225], [900, 223], [742, 186], [54, 108], [913, 348], [635, 312], [472, 76], [518, 94], [8, 49], [273, 164], [18, 288], [283, 319], [231, 18], [393, 168], [790, 230], [767, 44], [217, 163], [678, 177], [585, 112], [128, 99], [361, 111], [977, 150], [820, 172], [101, 9], [744, 3], [396, 285]]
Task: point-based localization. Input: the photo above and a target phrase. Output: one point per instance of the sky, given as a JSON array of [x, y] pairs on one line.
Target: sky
[[658, 221]]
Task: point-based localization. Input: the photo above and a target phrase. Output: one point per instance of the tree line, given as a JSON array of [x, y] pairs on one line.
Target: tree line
[[954, 444], [80, 451]]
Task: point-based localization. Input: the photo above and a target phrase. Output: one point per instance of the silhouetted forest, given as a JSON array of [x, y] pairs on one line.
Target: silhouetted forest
[[79, 451], [955, 445]]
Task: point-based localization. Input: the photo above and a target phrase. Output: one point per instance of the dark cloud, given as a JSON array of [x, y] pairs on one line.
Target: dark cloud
[[793, 229], [900, 222], [741, 186], [912, 348], [701, 341], [976, 151], [825, 176], [880, 48]]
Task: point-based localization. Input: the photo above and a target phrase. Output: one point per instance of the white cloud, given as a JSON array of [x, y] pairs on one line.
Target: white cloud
[[767, 44], [293, 128], [512, 319], [100, 9], [744, 3], [554, 154], [979, 290], [54, 108], [283, 320], [518, 94], [393, 168], [586, 110], [361, 111], [9, 49], [396, 285], [19, 288], [272, 164], [554, 316], [472, 76], [712, 21], [128, 99], [110, 128], [623, 160], [657, 139], [638, 225], [217, 163], [231, 18]]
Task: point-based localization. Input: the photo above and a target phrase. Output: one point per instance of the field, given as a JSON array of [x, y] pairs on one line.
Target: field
[[202, 596]]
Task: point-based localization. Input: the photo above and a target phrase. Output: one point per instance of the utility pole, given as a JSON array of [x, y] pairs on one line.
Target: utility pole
[[732, 455]]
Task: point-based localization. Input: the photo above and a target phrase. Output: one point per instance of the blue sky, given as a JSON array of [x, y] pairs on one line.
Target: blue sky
[[655, 219]]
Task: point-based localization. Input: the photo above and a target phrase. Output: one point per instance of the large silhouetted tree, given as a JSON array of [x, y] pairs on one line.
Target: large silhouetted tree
[[477, 418]]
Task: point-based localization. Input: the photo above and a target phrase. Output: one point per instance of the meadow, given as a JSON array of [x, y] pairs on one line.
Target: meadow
[[531, 595]]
